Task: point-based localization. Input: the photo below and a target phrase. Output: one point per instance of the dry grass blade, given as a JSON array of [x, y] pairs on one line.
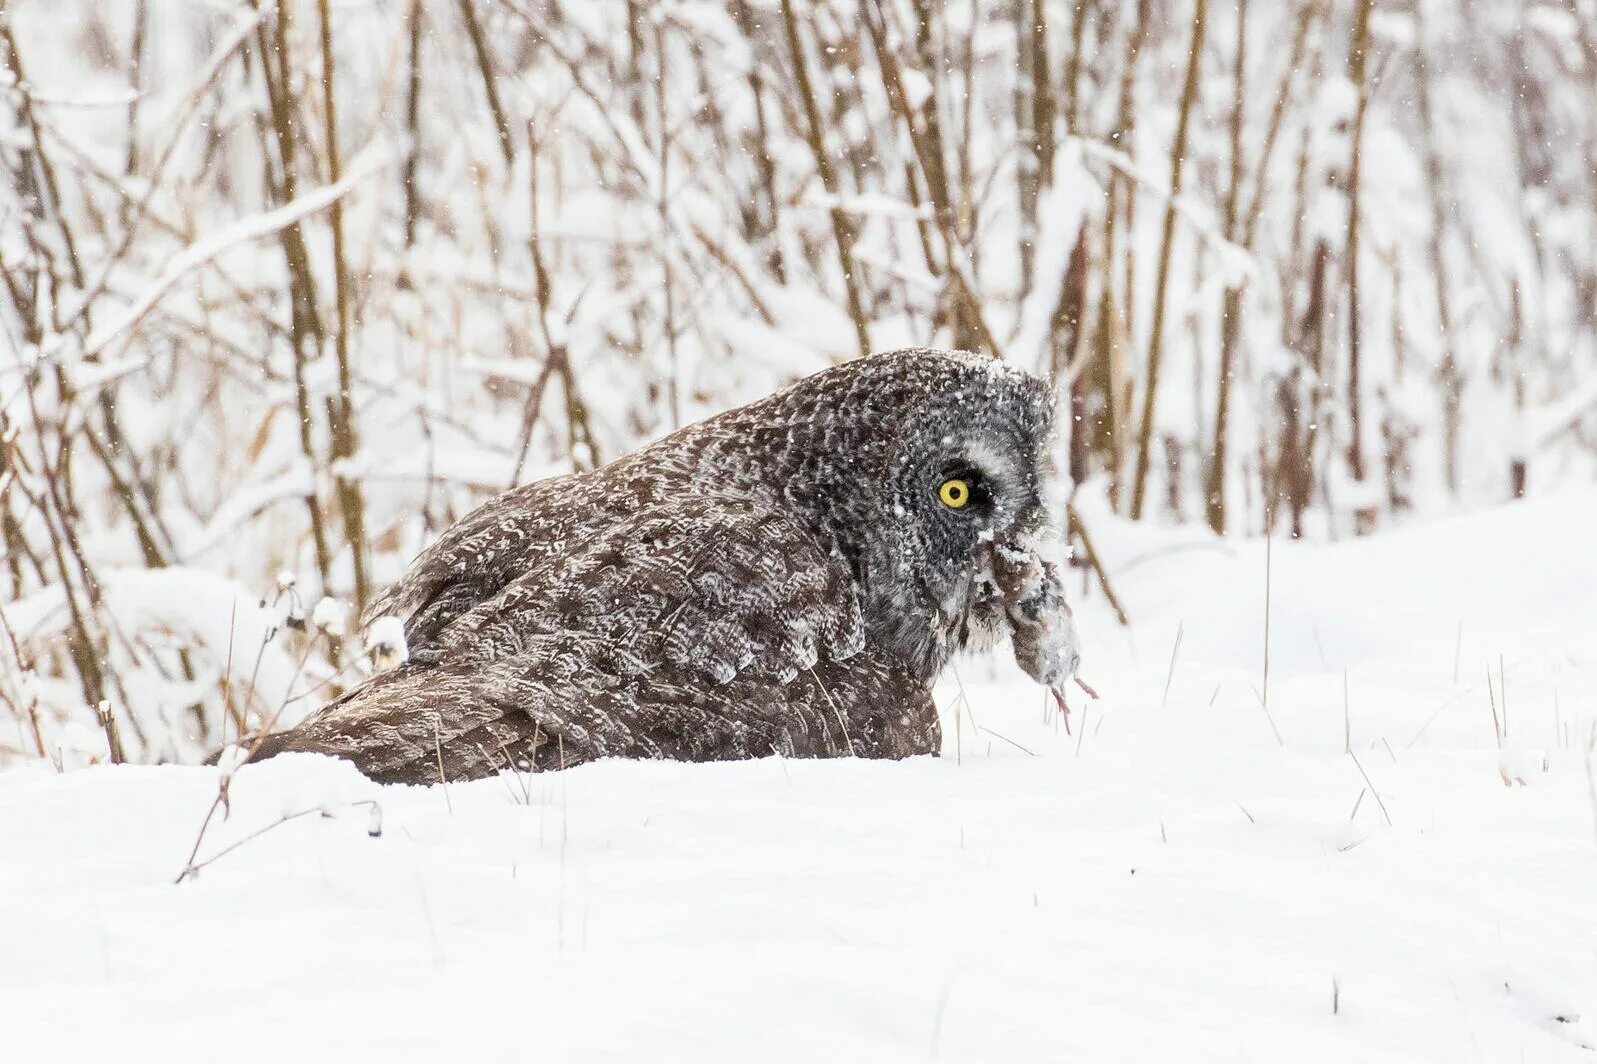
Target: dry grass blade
[[1368, 783]]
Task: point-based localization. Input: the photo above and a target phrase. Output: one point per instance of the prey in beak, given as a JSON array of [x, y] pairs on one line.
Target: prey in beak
[[1026, 576]]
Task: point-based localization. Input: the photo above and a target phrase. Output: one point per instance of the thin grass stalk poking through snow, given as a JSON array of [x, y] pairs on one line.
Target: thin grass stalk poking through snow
[[1591, 778], [1269, 541], [438, 753], [1347, 717], [1491, 696], [959, 731], [1369, 783], [1170, 675], [1502, 691], [1004, 738]]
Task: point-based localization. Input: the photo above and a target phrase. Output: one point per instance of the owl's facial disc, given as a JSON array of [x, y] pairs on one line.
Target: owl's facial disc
[[1016, 589], [964, 465], [971, 495]]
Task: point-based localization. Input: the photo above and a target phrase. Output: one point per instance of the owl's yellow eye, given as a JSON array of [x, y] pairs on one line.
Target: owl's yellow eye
[[955, 493]]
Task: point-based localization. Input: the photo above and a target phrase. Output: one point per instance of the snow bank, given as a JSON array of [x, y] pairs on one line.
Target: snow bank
[[1167, 881]]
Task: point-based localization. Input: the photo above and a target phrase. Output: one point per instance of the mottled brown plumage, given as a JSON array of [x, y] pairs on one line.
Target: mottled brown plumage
[[782, 578]]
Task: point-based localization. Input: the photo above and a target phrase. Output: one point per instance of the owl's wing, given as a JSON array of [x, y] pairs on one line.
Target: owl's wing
[[718, 587], [480, 553], [705, 628]]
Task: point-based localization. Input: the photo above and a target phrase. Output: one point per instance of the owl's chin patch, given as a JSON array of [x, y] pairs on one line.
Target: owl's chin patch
[[986, 625]]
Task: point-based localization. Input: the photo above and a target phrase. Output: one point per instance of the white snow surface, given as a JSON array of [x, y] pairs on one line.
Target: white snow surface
[[1166, 882]]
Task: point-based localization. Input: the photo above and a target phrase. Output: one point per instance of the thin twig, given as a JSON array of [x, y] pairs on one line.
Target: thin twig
[[479, 48], [193, 868], [1096, 562]]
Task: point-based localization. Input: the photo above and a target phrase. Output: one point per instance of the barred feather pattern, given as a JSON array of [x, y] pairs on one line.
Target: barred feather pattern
[[777, 579]]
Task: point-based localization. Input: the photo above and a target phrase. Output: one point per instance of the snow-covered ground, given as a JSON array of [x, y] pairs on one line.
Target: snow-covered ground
[[1184, 876]]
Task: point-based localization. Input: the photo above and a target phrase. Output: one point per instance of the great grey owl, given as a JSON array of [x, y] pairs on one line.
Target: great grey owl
[[788, 577]]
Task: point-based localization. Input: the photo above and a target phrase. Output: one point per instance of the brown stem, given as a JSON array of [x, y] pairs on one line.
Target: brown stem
[[842, 230], [1126, 131], [141, 21], [345, 444], [1357, 56], [412, 121], [764, 161], [305, 327], [970, 325], [479, 48], [1436, 189], [1214, 488], [1178, 158], [1079, 527], [46, 169], [1078, 40]]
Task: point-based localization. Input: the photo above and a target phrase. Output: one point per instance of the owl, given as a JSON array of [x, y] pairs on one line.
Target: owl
[[786, 578]]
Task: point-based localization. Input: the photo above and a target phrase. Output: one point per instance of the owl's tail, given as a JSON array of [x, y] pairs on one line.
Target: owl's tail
[[425, 725]]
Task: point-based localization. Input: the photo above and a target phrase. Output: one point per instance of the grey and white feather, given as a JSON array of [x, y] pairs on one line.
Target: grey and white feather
[[788, 577]]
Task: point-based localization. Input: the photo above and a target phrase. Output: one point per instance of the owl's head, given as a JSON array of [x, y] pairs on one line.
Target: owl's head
[[937, 482]]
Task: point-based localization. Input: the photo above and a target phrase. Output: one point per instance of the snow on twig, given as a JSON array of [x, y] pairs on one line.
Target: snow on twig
[[247, 231]]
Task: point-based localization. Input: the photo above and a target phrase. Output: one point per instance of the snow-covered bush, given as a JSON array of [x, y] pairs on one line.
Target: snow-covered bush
[[289, 286]]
